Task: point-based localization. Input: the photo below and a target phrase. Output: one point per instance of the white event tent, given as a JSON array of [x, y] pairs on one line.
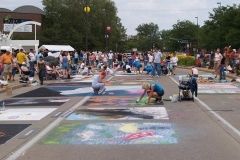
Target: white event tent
[[56, 49]]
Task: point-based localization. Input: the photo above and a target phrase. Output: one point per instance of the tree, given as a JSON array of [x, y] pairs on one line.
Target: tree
[[222, 28], [66, 22], [148, 36]]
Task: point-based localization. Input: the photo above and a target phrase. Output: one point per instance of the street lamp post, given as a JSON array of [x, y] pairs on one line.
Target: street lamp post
[[219, 34], [107, 36], [197, 35], [87, 10], [220, 4]]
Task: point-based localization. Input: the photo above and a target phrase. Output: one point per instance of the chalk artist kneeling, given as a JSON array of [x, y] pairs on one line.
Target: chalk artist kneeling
[[98, 83], [154, 90]]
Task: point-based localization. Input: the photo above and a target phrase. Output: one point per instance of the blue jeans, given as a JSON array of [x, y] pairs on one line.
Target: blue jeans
[[110, 63], [222, 73], [31, 68], [156, 67]]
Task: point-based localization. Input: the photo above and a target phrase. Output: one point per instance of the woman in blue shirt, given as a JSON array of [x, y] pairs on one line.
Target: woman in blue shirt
[[154, 90]]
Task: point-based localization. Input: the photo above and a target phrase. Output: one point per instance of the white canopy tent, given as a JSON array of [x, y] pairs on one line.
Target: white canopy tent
[[57, 48], [54, 50]]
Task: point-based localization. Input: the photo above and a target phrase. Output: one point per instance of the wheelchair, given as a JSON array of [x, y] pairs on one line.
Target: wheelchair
[[187, 88]]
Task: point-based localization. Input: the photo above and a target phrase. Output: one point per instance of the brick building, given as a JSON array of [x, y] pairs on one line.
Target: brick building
[[8, 19]]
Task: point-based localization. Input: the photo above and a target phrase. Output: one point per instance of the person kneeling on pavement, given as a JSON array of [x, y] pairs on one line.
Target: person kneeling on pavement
[[98, 83], [154, 90]]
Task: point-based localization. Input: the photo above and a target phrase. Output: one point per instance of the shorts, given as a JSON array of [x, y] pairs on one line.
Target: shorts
[[160, 93], [98, 86], [7, 68], [64, 66]]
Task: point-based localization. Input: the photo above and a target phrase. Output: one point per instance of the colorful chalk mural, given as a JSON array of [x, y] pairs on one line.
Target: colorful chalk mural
[[25, 114], [40, 92], [122, 73], [110, 91], [118, 101], [112, 134], [119, 113], [68, 84], [218, 88], [8, 131], [35, 102]]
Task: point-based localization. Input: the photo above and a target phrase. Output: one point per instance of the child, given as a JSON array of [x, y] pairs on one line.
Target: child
[[153, 91], [98, 83]]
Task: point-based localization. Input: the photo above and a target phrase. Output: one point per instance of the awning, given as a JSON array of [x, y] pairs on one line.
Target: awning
[[57, 48]]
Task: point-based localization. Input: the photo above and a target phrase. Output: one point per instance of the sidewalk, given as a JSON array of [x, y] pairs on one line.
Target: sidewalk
[[13, 85], [230, 75]]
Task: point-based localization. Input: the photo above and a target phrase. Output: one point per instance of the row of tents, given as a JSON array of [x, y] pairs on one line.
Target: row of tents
[[54, 49]]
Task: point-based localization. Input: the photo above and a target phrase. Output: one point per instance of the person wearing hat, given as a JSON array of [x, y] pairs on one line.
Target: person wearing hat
[[154, 90], [7, 61]]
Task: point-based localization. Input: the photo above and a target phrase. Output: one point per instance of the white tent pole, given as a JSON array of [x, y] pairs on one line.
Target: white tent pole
[[35, 32]]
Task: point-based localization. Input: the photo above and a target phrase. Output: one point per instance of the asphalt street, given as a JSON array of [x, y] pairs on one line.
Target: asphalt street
[[76, 127]]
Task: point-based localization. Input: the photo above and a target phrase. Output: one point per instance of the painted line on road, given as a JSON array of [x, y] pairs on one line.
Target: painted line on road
[[28, 133], [225, 124], [38, 137], [56, 115]]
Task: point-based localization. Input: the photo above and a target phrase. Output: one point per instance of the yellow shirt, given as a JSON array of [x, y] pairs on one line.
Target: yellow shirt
[[21, 57], [7, 59]]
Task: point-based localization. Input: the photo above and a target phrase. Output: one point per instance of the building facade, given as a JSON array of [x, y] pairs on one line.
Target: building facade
[[9, 19]]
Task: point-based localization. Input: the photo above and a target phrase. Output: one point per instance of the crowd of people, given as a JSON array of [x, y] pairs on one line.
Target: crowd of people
[[222, 62], [27, 64]]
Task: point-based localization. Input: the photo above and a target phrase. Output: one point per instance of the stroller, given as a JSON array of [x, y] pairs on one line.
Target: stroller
[[74, 69], [187, 88], [25, 73], [50, 73], [164, 68]]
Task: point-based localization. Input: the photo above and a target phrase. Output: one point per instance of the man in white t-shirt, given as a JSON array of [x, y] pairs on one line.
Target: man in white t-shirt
[[174, 61], [150, 58], [157, 63], [110, 59], [217, 61]]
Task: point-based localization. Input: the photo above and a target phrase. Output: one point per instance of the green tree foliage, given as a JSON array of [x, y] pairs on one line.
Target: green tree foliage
[[66, 22], [183, 33], [222, 28], [148, 37]]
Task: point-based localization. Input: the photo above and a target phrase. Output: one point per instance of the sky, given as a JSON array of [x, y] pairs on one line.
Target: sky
[[165, 13]]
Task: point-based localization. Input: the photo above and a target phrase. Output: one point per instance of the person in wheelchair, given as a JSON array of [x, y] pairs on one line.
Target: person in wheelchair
[[187, 85]]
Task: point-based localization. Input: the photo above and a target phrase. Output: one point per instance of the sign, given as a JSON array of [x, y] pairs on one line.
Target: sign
[[9, 27]]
